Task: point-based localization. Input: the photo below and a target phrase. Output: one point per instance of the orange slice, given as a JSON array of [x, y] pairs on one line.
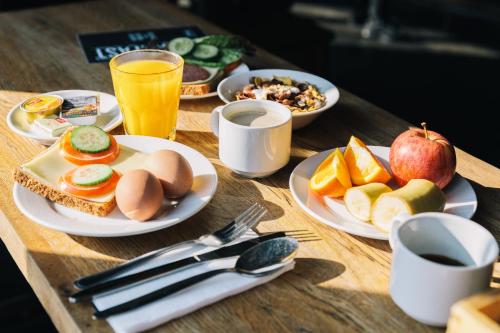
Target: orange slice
[[364, 167], [331, 178]]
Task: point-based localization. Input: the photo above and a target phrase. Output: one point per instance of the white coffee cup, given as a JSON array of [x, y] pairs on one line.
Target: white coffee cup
[[253, 151], [425, 289]]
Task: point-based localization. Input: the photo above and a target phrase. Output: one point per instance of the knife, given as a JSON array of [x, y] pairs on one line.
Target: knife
[[223, 252]]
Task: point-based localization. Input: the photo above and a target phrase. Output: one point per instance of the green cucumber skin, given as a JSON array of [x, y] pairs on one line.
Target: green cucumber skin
[[91, 150], [173, 48], [228, 57], [231, 50], [198, 62], [97, 181], [205, 52], [227, 42]]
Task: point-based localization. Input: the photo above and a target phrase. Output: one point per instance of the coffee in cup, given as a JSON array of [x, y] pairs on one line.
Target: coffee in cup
[[437, 260], [254, 136], [256, 118]]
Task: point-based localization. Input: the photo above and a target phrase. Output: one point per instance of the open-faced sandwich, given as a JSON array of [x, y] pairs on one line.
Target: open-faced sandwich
[[208, 60], [89, 171], [198, 80]]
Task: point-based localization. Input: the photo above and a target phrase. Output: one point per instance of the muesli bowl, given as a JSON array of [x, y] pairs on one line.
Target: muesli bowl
[[229, 87]]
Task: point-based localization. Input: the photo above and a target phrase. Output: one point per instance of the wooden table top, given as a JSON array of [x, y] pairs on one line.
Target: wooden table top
[[340, 282]]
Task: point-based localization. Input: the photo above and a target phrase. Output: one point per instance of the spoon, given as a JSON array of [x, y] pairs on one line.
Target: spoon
[[262, 259]]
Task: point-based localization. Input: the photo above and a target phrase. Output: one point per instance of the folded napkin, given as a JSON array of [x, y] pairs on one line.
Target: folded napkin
[[182, 302]]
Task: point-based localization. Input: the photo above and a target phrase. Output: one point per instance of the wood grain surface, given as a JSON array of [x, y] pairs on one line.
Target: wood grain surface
[[340, 282]]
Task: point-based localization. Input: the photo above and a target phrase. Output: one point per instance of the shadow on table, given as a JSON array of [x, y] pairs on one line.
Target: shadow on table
[[303, 298], [487, 215], [338, 309], [317, 270], [200, 105], [281, 178], [376, 243]]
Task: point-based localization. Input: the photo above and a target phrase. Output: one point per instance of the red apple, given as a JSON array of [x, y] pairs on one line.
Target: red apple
[[419, 153]]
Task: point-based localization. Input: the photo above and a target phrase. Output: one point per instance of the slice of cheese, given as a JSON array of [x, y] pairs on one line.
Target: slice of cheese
[[49, 166]]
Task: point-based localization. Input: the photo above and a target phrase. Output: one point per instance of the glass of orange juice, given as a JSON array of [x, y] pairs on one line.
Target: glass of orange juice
[[147, 85]]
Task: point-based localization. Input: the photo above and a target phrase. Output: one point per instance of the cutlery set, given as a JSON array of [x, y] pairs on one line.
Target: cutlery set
[[258, 256]]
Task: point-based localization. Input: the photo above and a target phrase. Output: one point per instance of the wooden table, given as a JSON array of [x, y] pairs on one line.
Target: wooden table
[[340, 282]]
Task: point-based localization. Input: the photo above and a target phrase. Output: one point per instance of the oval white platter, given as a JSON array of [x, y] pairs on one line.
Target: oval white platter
[[109, 118], [460, 197], [74, 222]]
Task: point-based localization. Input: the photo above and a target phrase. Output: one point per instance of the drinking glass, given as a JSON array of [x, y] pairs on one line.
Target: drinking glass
[[147, 85]]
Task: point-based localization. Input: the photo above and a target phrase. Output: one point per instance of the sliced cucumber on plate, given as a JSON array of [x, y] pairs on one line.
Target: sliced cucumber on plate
[[91, 174], [204, 52], [90, 139], [216, 51], [181, 45]]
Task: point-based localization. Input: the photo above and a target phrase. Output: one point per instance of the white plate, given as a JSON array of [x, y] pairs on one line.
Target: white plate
[[110, 116], [229, 86], [242, 68], [460, 198], [71, 221]]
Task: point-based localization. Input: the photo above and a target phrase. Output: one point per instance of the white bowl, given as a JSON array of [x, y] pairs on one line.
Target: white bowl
[[230, 85]]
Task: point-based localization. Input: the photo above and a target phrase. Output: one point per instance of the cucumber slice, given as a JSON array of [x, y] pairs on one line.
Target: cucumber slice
[[90, 139], [91, 174], [203, 51], [230, 56], [181, 45]]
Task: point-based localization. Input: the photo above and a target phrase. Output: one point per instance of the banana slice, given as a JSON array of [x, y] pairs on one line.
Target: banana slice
[[418, 196], [359, 200]]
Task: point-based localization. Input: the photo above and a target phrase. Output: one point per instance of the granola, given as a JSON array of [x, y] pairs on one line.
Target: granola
[[297, 96]]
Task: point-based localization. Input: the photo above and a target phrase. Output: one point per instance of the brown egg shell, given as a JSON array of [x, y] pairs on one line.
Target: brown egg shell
[[139, 195], [173, 171]]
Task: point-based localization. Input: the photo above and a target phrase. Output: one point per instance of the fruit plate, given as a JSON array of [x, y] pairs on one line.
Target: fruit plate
[[460, 197], [242, 68], [74, 222], [109, 118]]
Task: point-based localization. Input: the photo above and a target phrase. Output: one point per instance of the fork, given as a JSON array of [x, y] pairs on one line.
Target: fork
[[234, 229]]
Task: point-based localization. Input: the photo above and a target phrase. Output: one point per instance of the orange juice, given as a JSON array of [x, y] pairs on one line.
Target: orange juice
[[148, 90]]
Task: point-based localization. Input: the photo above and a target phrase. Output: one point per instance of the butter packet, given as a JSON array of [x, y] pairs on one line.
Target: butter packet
[[81, 110], [52, 126]]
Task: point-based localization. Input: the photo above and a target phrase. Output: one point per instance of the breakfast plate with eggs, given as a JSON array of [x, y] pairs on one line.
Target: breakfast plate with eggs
[[91, 183]]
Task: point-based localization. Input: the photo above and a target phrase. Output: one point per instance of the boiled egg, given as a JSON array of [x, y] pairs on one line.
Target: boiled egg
[[139, 195], [173, 171]]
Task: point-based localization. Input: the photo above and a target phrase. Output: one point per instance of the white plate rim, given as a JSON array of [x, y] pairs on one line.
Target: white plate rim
[[330, 87], [242, 68], [380, 235], [109, 127], [18, 189]]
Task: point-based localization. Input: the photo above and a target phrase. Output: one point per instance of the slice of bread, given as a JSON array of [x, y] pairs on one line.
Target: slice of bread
[[202, 87], [66, 199], [42, 173], [196, 89]]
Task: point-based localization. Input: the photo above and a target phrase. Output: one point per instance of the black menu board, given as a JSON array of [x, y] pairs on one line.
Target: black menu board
[[101, 47]]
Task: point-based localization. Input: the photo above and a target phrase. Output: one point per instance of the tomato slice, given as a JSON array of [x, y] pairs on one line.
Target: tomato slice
[[88, 191], [79, 158]]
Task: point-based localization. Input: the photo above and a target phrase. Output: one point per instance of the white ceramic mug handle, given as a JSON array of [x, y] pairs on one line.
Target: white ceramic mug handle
[[214, 120], [396, 223]]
